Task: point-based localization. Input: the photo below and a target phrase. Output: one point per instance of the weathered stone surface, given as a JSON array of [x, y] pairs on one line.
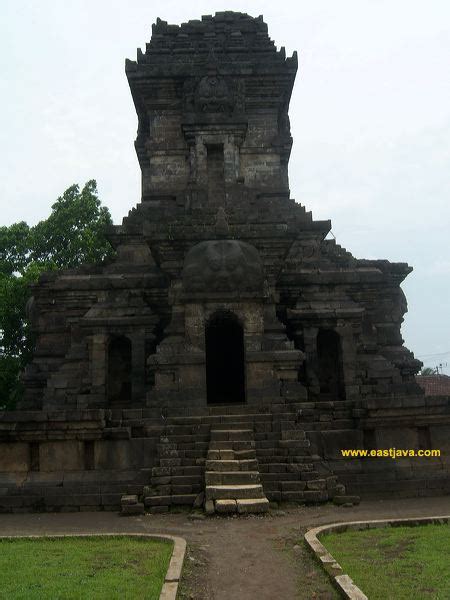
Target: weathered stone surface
[[14, 457], [223, 266], [253, 505], [61, 456], [318, 484], [225, 506], [209, 507], [129, 499], [199, 500], [133, 509]]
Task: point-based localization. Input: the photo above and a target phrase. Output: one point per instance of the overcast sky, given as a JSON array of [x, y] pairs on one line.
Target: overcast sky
[[370, 117]]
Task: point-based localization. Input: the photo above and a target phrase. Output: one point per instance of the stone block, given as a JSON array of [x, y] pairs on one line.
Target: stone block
[[133, 509], [184, 499], [398, 437], [252, 505], [292, 486], [331, 482], [170, 462], [181, 489], [161, 480], [61, 456], [293, 496], [14, 457], [315, 495], [336, 440], [440, 438], [157, 509], [7, 502], [199, 500], [225, 506], [317, 484], [111, 498], [118, 454], [293, 434], [229, 492], [158, 501], [294, 444]]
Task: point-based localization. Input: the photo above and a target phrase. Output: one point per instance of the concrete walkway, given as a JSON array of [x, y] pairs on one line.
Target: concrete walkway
[[230, 558]]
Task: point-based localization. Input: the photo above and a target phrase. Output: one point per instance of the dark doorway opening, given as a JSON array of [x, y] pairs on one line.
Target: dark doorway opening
[[225, 360], [331, 375], [119, 370]]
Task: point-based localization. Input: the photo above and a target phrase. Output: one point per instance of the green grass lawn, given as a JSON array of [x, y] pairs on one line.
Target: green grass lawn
[[74, 568], [395, 562]]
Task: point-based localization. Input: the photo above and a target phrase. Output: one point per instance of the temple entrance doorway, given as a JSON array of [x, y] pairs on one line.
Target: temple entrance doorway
[[225, 360]]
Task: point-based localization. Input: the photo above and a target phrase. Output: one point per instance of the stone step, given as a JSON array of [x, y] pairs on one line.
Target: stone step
[[241, 421], [186, 468], [130, 505], [231, 477], [287, 413], [180, 480], [231, 435], [220, 455], [225, 506], [273, 461], [231, 454], [242, 506], [224, 413], [293, 434], [172, 499], [252, 505], [244, 454], [294, 444], [233, 492], [232, 445], [231, 465], [293, 486]]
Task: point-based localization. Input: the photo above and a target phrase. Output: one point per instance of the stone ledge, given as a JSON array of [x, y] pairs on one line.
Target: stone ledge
[[341, 580], [170, 586]]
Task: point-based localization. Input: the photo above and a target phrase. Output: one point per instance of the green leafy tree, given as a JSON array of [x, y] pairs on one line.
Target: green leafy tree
[[73, 234], [428, 371], [14, 249]]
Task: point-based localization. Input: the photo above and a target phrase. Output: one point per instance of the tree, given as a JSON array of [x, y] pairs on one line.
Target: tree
[[428, 371], [73, 234]]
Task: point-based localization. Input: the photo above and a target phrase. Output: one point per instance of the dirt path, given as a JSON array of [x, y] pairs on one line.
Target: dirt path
[[244, 561], [252, 558]]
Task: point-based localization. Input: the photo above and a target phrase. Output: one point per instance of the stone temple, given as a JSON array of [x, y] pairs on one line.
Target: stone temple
[[230, 350]]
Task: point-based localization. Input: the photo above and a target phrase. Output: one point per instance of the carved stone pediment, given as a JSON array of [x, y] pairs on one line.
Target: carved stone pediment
[[213, 95], [223, 266]]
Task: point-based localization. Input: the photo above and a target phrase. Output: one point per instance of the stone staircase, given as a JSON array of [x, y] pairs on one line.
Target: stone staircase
[[231, 458], [232, 479]]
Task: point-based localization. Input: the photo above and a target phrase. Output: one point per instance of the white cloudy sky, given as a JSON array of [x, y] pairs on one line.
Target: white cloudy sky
[[370, 116]]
